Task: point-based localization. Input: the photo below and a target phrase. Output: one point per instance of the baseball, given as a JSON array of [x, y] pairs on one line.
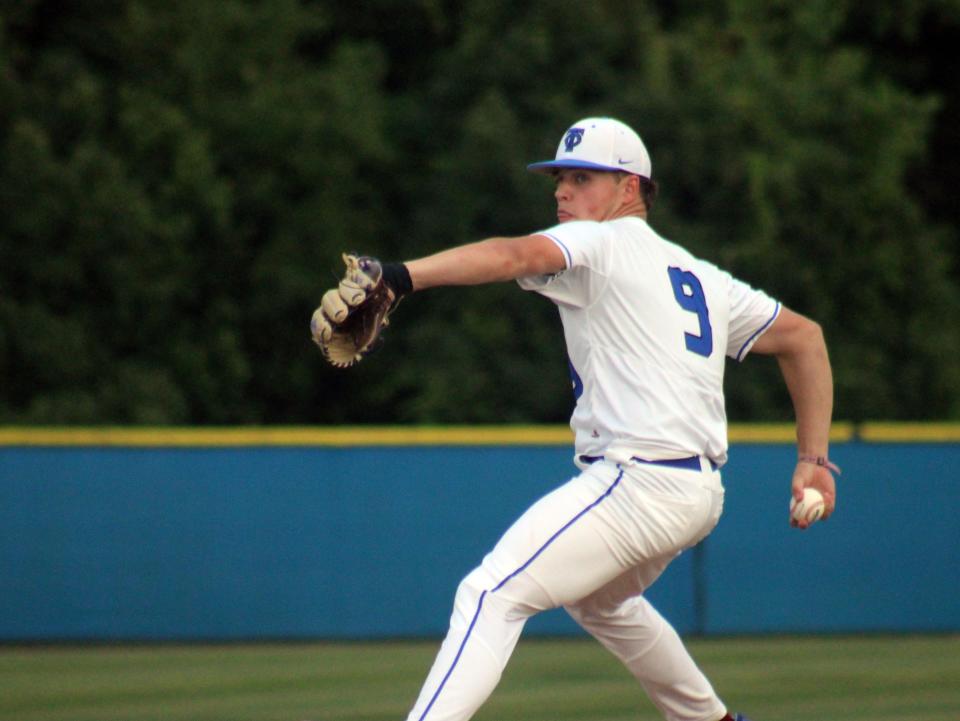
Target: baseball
[[810, 508]]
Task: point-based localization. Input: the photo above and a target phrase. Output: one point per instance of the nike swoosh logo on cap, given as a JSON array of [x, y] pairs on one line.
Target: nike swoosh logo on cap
[[621, 161]]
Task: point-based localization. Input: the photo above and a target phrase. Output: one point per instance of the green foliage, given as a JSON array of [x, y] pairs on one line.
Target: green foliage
[[179, 178]]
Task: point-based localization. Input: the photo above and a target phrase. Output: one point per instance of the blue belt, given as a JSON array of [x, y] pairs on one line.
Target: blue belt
[[691, 463]]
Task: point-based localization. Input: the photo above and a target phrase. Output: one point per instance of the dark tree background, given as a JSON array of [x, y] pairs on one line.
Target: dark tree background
[[178, 179]]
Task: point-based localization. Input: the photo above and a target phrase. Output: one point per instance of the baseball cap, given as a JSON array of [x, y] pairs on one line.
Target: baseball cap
[[599, 144]]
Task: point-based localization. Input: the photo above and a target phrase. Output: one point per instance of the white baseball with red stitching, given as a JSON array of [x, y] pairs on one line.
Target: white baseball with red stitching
[[810, 509]]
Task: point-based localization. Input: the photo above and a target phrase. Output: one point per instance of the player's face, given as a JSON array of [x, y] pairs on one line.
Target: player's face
[[586, 194]]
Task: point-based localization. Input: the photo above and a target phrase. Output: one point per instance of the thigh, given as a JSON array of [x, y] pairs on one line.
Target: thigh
[[565, 546], [610, 598], [647, 520], [665, 511], [559, 549]]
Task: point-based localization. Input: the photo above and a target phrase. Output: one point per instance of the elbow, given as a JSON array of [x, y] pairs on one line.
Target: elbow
[[792, 335], [534, 255], [813, 333], [509, 264], [518, 259], [807, 339]]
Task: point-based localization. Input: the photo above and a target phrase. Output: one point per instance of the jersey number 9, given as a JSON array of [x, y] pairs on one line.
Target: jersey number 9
[[689, 294]]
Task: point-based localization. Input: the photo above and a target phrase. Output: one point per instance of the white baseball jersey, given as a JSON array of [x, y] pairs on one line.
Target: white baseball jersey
[[647, 327]]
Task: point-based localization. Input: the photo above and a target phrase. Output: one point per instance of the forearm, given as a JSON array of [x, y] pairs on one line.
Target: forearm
[[472, 264], [487, 261], [800, 349], [809, 379]]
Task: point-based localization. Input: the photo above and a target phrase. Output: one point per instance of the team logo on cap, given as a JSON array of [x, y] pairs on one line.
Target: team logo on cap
[[573, 138]]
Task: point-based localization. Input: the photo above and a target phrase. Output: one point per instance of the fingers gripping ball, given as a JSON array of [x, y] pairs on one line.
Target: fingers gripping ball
[[810, 509], [348, 323]]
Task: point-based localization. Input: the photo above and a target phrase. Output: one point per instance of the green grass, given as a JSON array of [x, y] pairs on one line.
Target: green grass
[[902, 678]]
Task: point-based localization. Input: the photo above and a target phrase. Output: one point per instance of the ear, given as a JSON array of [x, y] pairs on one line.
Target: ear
[[632, 187]]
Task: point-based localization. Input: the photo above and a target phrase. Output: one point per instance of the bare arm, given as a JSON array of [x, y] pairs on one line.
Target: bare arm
[[488, 261], [800, 349]]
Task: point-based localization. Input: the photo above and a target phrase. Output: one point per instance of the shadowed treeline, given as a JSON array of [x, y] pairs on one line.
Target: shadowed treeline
[[178, 179]]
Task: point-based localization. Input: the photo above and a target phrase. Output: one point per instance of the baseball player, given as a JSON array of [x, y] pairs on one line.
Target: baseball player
[[648, 327]]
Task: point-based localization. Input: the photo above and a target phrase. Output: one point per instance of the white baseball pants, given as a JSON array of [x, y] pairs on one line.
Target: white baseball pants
[[592, 546]]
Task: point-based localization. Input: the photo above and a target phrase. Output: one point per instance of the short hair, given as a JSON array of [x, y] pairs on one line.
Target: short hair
[[648, 191]]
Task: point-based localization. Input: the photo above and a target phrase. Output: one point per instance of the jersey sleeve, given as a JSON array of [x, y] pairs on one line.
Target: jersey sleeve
[[752, 312], [582, 244]]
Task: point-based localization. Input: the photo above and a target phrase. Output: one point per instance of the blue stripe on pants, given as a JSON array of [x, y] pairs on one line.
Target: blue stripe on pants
[[502, 583]]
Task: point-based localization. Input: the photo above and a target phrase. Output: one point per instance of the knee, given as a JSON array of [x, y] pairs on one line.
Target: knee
[[598, 606], [479, 590], [470, 594], [472, 586], [588, 612], [600, 609]]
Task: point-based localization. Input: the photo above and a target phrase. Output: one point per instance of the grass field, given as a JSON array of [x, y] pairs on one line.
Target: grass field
[[903, 678]]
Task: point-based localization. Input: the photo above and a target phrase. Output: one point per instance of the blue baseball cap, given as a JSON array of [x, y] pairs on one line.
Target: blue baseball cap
[[599, 144]]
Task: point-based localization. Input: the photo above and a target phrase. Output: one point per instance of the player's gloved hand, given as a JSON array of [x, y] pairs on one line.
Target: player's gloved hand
[[348, 323]]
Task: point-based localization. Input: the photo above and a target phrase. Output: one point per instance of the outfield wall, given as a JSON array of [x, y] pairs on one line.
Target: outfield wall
[[146, 534]]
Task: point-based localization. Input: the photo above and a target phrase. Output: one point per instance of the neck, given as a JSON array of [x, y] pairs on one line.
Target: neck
[[636, 209]]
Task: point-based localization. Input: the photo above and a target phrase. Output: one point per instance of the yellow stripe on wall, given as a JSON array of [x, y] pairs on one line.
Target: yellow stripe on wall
[[290, 436], [910, 432], [347, 436], [781, 432]]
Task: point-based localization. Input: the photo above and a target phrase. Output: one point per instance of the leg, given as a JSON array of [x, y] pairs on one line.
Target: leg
[[484, 630], [632, 629], [627, 624], [555, 553]]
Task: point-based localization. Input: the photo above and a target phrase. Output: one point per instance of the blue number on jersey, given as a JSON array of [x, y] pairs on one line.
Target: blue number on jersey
[[689, 294]]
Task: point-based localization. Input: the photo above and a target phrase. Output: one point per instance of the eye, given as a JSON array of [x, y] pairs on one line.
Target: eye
[[574, 177]]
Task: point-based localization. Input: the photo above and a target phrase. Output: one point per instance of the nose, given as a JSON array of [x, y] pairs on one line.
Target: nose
[[563, 190]]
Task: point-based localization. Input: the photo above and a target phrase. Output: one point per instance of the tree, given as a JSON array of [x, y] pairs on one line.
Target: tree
[[179, 179], [168, 163]]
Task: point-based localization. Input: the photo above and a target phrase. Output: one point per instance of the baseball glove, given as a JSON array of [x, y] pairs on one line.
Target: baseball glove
[[351, 317]]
